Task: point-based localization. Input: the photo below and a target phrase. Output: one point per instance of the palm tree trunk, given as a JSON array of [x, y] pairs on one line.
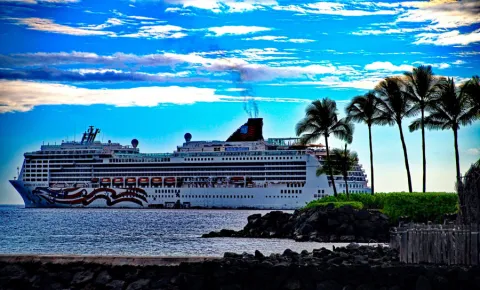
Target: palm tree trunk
[[405, 156], [423, 152], [457, 157], [371, 158], [345, 177], [330, 169], [461, 194], [345, 173]]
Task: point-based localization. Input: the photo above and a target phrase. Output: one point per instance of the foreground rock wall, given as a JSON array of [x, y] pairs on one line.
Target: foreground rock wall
[[353, 267], [329, 224]]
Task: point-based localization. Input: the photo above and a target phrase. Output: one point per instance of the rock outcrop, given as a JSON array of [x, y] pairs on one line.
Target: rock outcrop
[[352, 267], [327, 224]]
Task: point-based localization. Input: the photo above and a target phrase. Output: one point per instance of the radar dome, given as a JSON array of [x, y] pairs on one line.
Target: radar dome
[[134, 143], [188, 137]]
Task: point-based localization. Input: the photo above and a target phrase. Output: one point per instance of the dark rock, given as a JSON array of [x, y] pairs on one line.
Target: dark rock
[[103, 278], [115, 284], [139, 284], [292, 284], [328, 285], [362, 214], [423, 283], [13, 272], [353, 246], [258, 254], [82, 277]]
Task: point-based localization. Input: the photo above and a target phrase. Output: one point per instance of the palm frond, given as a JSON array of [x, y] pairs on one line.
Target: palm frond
[[415, 125]]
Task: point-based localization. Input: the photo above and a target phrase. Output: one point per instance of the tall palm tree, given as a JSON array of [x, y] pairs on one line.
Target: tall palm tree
[[367, 109], [451, 110], [396, 106], [341, 162], [471, 89], [422, 90], [321, 119]]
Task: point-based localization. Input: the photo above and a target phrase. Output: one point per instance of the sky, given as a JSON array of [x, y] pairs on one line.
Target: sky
[[154, 70]]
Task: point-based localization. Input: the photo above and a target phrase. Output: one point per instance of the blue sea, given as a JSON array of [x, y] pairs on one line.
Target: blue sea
[[131, 232]]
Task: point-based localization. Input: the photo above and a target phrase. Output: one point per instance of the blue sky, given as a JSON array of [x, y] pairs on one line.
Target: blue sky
[[153, 70]]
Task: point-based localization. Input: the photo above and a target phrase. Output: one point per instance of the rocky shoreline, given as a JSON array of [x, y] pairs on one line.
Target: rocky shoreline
[[353, 267], [326, 224]]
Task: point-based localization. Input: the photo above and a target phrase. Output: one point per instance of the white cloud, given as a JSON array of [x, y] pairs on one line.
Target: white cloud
[[42, 24], [444, 14], [335, 8], [387, 66], [41, 1], [218, 6], [474, 151], [280, 39], [458, 61], [236, 30], [453, 37], [158, 31], [22, 96]]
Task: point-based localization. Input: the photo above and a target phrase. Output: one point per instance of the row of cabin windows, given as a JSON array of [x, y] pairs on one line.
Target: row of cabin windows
[[261, 158], [291, 191], [167, 191], [199, 159], [37, 179], [282, 196], [319, 195], [354, 185], [202, 196]]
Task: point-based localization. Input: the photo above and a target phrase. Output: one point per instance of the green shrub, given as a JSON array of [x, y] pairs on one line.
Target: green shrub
[[369, 201], [337, 204], [420, 207]]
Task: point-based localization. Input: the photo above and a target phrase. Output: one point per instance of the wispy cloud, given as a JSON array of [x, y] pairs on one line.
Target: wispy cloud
[[352, 8], [453, 37], [48, 25], [99, 75], [387, 66], [219, 6], [158, 31], [22, 96], [41, 1], [280, 39], [236, 30]]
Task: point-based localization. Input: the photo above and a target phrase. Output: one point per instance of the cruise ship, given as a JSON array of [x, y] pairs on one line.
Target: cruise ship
[[245, 171]]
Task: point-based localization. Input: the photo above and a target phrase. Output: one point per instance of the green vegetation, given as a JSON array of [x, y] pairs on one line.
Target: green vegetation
[[317, 203], [419, 206]]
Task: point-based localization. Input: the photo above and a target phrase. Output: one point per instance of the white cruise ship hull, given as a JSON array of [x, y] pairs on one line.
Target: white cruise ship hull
[[275, 197]]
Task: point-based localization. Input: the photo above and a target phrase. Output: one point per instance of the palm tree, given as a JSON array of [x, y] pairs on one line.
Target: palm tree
[[340, 163], [451, 110], [471, 89], [396, 106], [367, 109], [422, 90], [321, 119]]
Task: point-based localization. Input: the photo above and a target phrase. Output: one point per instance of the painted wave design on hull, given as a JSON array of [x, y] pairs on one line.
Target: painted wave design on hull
[[77, 196]]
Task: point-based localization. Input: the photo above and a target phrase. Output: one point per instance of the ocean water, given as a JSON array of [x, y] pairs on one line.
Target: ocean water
[[131, 232]]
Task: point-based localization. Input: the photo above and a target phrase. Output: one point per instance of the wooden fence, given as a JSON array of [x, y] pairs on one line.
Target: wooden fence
[[437, 244]]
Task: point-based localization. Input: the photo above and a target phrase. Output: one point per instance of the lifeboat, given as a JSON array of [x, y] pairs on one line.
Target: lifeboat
[[95, 180], [118, 181], [143, 180], [157, 180], [105, 181], [237, 179], [131, 180], [170, 180]]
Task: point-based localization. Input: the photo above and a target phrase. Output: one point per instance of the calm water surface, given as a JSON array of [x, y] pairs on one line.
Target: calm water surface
[[130, 232]]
